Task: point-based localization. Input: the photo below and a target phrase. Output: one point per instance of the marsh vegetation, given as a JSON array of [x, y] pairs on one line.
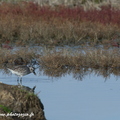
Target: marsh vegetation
[[76, 40], [29, 24], [25, 23], [58, 62]]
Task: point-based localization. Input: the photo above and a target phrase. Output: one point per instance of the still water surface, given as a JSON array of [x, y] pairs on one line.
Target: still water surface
[[66, 98]]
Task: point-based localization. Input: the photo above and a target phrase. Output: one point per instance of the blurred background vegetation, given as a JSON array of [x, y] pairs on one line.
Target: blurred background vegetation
[[64, 1]]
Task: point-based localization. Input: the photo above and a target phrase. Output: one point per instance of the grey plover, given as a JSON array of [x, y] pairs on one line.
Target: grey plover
[[21, 70]]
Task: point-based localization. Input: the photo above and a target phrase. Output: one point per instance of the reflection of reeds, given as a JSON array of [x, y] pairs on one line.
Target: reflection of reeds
[[86, 57], [82, 72], [56, 63], [98, 58]]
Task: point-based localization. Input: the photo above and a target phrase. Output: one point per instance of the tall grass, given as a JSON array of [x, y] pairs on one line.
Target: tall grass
[[80, 63], [56, 63], [97, 58], [28, 23], [9, 57], [88, 58]]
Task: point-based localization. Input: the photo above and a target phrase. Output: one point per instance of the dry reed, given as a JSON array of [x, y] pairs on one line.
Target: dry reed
[[92, 59], [97, 58], [56, 63], [28, 23]]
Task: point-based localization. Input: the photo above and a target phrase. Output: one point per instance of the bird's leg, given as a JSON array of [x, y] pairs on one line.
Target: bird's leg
[[21, 80], [18, 80]]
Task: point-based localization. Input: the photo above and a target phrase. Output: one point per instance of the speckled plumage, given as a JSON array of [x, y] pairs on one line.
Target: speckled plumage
[[22, 70]]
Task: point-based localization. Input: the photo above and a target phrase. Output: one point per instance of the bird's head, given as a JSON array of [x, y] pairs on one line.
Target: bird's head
[[32, 70]]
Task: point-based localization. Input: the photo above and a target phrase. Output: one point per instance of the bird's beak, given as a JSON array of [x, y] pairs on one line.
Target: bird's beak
[[34, 72]]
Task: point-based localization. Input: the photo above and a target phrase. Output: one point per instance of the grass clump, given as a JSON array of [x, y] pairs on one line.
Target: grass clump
[[81, 62], [5, 109], [26, 23], [21, 56], [85, 57], [89, 58], [58, 62]]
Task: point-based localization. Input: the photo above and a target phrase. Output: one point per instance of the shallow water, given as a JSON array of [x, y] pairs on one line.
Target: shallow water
[[66, 98]]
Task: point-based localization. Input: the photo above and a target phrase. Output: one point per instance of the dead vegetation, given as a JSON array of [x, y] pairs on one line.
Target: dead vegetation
[[27, 23], [18, 57], [97, 58], [51, 58], [81, 63], [57, 62]]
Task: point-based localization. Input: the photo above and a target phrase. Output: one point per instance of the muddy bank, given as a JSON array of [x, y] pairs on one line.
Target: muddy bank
[[19, 103]]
